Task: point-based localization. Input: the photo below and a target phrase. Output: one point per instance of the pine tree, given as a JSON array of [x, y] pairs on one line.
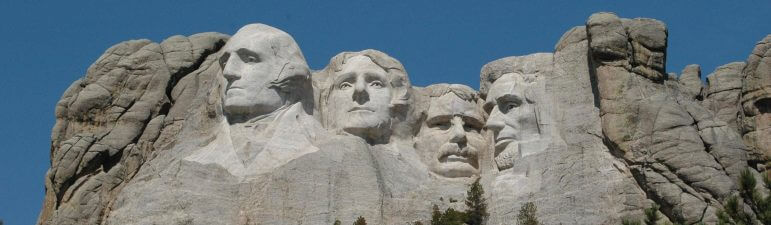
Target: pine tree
[[629, 221], [733, 210], [475, 201], [652, 215], [527, 215], [436, 216], [337, 222], [360, 221]]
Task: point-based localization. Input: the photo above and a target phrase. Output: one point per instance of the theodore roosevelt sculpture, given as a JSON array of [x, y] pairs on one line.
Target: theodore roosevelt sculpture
[[450, 136]]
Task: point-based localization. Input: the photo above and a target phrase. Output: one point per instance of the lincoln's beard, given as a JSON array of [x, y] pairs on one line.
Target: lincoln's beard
[[505, 158]]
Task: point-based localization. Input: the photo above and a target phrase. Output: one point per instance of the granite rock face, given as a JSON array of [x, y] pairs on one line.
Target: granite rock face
[[213, 129]]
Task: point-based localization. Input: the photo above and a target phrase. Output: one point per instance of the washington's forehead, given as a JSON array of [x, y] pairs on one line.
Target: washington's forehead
[[451, 104], [255, 43]]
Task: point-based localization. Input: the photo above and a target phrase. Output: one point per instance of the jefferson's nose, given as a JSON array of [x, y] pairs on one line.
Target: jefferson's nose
[[458, 133], [360, 94], [495, 121]]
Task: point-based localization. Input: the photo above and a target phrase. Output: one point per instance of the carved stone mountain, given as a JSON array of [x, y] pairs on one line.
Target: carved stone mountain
[[214, 129]]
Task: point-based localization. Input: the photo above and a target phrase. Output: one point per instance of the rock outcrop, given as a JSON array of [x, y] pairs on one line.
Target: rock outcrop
[[213, 129]]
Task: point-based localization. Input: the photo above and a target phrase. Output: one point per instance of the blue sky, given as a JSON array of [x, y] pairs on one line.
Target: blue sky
[[48, 45]]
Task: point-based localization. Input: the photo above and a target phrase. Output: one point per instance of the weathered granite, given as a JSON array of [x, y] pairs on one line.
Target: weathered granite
[[756, 101], [211, 129]]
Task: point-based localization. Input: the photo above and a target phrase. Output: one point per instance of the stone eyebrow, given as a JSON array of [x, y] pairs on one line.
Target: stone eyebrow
[[343, 77], [473, 120], [246, 52], [438, 118], [509, 97]]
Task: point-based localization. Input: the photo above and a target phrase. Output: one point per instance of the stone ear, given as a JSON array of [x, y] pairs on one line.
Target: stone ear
[[401, 92], [291, 77]]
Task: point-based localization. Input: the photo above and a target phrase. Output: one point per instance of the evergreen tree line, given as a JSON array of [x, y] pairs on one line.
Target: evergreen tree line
[[733, 212]]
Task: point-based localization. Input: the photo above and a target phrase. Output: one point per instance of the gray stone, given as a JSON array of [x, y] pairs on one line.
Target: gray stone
[[723, 93], [209, 129], [756, 101], [690, 79]]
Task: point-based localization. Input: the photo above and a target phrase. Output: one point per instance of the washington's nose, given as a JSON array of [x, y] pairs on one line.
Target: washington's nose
[[360, 94], [230, 72], [495, 121], [458, 133]]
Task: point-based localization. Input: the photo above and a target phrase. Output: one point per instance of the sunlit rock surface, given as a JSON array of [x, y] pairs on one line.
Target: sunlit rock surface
[[213, 129]]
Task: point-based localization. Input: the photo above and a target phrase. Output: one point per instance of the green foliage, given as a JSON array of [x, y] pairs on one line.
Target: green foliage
[[337, 222], [733, 211], [475, 201], [476, 213], [630, 221], [448, 217], [360, 221], [436, 215], [527, 215], [417, 223], [652, 215]]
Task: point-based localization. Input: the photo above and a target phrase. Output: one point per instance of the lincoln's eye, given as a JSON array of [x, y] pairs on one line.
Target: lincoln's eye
[[376, 84], [509, 105], [345, 85]]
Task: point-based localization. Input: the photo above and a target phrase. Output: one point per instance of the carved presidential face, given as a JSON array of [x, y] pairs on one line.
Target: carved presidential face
[[449, 140], [512, 117], [360, 98], [249, 66]]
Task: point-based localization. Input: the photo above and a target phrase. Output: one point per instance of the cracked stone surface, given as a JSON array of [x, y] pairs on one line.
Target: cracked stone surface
[[214, 129]]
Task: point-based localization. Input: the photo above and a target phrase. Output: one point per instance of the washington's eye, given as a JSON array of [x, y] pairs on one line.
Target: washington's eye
[[345, 85], [377, 84], [248, 56], [224, 59]]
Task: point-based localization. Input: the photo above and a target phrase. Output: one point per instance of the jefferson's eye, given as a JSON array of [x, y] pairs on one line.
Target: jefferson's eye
[[377, 84], [345, 85]]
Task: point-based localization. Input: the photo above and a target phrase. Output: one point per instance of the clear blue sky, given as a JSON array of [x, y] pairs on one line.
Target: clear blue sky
[[47, 45]]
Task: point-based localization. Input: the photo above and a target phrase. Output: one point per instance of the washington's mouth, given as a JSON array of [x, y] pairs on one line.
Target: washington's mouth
[[361, 109]]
